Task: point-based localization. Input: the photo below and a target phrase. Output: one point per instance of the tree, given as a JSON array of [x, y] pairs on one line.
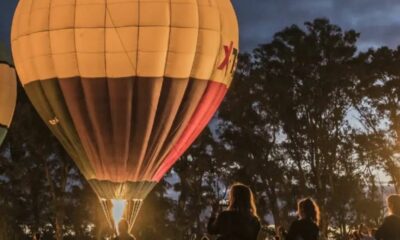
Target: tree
[[308, 76], [249, 132], [378, 104], [39, 180]]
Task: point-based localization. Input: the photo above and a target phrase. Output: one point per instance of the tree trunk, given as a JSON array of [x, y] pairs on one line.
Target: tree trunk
[[324, 224], [273, 204], [58, 200], [59, 226]]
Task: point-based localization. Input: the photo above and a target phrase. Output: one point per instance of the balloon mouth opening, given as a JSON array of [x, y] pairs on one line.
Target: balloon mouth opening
[[121, 211], [119, 208]]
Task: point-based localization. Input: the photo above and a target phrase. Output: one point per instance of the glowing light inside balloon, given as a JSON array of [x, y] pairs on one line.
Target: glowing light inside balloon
[[118, 210]]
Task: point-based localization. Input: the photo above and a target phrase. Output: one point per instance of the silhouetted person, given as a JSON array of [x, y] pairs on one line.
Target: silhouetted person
[[365, 233], [280, 233], [37, 236], [390, 229], [372, 233], [306, 227], [123, 231], [240, 220], [355, 235]]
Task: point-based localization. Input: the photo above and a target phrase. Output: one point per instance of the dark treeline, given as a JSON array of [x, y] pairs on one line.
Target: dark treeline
[[307, 115]]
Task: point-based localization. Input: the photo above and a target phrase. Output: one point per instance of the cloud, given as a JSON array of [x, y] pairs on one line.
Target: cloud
[[378, 21]]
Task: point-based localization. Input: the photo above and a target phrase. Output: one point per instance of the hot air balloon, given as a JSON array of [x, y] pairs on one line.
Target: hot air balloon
[[8, 97], [126, 86]]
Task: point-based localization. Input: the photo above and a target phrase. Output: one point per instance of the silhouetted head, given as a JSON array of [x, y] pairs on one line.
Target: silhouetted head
[[241, 199], [308, 209], [123, 226], [393, 202], [372, 232], [38, 236]]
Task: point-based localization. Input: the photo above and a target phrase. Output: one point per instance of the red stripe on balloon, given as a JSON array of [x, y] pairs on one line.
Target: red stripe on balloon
[[206, 109]]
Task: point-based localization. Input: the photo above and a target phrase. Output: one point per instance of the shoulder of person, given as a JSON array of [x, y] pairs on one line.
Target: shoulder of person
[[308, 222], [226, 213], [316, 227], [314, 224], [304, 223], [396, 219], [299, 221], [296, 223], [255, 219], [392, 218]]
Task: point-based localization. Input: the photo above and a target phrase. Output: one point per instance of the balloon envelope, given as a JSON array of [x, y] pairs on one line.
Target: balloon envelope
[[126, 86], [8, 97]]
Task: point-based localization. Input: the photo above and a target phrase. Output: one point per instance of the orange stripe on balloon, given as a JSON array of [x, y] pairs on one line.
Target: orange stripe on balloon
[[205, 111]]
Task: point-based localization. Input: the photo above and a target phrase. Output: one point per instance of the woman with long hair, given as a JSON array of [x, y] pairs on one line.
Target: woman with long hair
[[240, 220], [307, 226], [390, 229]]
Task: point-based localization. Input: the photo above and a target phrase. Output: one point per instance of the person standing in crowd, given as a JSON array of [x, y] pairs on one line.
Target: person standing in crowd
[[372, 233], [37, 236], [240, 220], [390, 229], [355, 235], [307, 226], [364, 233], [280, 233]]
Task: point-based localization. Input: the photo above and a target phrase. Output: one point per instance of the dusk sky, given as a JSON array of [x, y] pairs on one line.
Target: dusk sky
[[377, 20]]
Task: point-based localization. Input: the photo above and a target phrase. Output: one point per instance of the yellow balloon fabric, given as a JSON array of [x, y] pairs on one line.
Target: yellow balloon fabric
[[8, 97], [114, 38]]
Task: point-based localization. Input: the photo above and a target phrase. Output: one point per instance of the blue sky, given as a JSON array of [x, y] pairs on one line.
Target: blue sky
[[377, 20]]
